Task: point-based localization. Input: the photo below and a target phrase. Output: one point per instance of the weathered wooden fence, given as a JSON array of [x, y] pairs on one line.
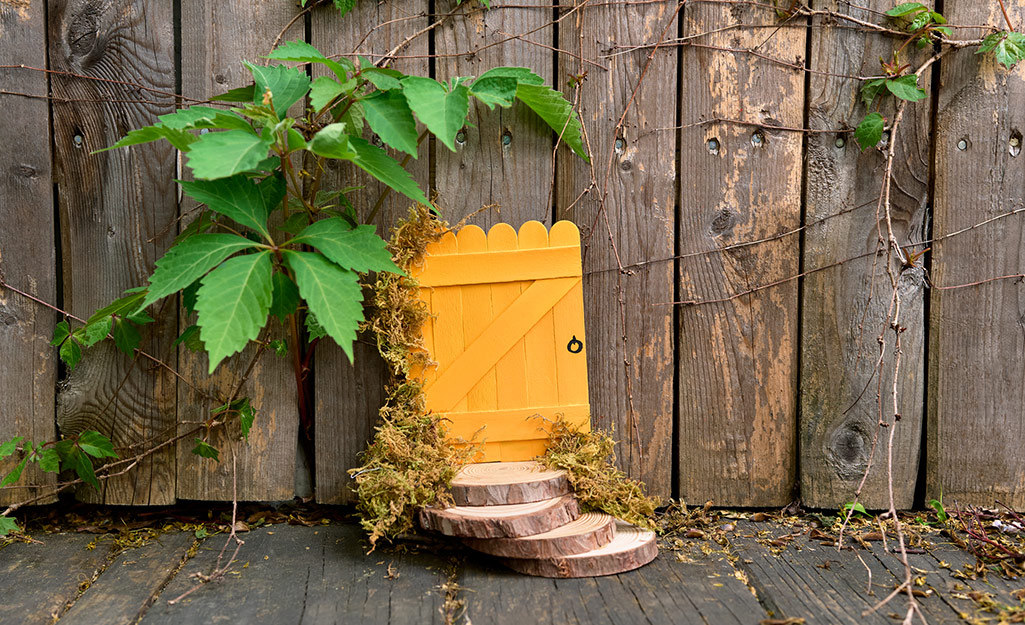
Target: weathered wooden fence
[[733, 293]]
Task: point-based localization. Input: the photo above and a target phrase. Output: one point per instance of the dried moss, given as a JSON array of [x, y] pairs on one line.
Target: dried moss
[[410, 463], [590, 460]]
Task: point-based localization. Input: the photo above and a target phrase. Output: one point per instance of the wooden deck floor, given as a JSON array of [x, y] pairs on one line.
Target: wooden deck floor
[[320, 575]]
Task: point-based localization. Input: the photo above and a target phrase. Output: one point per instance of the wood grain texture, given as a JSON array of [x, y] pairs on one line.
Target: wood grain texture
[[737, 358], [129, 584], [117, 212], [500, 483], [976, 418], [27, 245], [629, 214], [47, 576], [503, 157], [348, 397], [309, 576], [844, 309], [630, 549], [216, 37], [512, 521], [589, 532], [665, 592]]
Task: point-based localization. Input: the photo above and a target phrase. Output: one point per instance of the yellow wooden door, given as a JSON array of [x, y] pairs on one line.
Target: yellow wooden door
[[506, 334]]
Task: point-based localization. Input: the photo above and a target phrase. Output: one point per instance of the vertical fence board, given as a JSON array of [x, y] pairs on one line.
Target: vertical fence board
[[27, 259], [629, 214], [503, 156], [117, 211], [348, 397], [216, 37], [844, 308], [737, 358], [976, 419]]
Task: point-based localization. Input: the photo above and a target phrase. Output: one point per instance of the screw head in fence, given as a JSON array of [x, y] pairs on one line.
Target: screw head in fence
[[840, 142], [713, 145], [78, 140], [506, 139], [758, 139], [461, 137], [1014, 144], [962, 144]]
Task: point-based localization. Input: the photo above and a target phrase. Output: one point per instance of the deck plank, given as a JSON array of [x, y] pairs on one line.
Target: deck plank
[[126, 588], [47, 576], [663, 592]]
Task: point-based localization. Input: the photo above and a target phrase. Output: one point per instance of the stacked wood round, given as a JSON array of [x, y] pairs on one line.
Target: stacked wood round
[[527, 516]]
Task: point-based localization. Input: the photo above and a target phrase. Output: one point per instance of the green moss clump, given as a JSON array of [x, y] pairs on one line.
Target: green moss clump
[[410, 463], [590, 460]]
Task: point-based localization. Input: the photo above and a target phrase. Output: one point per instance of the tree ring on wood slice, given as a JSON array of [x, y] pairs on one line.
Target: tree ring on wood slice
[[590, 531], [632, 548], [503, 483], [521, 519]]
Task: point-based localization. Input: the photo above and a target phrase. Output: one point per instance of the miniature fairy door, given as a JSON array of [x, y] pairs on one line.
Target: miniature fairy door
[[507, 334]]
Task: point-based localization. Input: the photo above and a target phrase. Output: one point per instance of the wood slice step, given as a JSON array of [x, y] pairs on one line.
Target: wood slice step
[[631, 548], [510, 521], [590, 531], [503, 483]]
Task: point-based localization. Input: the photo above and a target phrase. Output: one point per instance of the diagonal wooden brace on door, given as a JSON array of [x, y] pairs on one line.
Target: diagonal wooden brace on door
[[496, 340], [506, 335]]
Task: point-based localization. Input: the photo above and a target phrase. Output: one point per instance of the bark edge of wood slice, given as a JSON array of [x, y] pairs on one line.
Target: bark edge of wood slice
[[588, 532], [504, 483], [631, 549], [510, 521]]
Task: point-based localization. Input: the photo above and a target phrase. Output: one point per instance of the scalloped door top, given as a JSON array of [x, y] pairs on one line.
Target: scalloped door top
[[506, 335]]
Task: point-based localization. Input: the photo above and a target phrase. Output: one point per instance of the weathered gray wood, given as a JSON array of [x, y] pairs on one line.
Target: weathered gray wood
[[629, 215], [524, 519], [41, 579], [117, 212], [977, 350], [505, 158], [349, 397], [665, 592], [216, 37], [314, 576], [844, 309], [128, 586], [811, 581], [737, 357], [27, 246]]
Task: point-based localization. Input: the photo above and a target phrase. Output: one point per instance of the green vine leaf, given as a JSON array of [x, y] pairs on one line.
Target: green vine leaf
[[557, 112], [326, 90], [94, 331], [314, 330], [332, 293], [332, 141], [390, 117], [232, 304], [8, 525], [498, 85], [239, 199], [238, 94], [72, 457], [223, 154], [441, 110], [358, 249], [287, 85], [906, 8], [284, 296], [189, 260], [906, 88], [49, 460], [126, 337], [190, 339], [299, 51], [378, 164], [206, 450], [1007, 47], [9, 447], [60, 334], [198, 117], [96, 445], [870, 130], [180, 139], [70, 353]]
